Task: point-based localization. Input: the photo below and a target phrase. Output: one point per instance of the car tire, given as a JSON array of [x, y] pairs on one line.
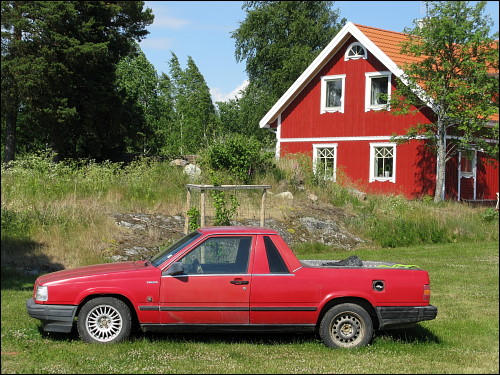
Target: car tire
[[346, 325], [104, 320]]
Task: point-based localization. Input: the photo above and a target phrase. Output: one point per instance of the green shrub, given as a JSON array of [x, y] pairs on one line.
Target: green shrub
[[15, 225], [397, 232], [490, 214], [239, 156]]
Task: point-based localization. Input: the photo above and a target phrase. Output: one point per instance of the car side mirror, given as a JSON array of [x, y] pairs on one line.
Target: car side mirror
[[176, 268]]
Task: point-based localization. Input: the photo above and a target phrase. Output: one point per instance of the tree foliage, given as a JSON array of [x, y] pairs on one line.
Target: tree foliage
[[194, 115], [236, 155], [278, 40], [58, 67], [457, 56], [147, 94]]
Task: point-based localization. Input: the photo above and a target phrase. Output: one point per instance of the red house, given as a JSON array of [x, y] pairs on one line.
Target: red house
[[333, 113]]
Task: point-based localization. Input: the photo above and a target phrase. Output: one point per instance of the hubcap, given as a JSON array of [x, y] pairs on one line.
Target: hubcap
[[347, 330], [104, 323]]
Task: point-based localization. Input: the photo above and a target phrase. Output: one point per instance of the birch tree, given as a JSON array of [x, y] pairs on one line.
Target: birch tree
[[456, 74]]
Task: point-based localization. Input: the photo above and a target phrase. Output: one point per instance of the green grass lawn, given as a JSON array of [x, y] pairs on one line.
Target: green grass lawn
[[464, 337]]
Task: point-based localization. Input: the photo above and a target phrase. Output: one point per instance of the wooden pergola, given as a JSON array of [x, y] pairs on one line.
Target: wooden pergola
[[204, 188]]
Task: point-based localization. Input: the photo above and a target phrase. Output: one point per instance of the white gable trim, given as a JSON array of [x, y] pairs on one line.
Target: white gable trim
[[321, 60]]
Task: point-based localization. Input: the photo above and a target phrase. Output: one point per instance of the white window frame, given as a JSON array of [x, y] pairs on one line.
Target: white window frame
[[333, 146], [357, 57], [373, 176], [473, 161], [368, 90], [324, 80]]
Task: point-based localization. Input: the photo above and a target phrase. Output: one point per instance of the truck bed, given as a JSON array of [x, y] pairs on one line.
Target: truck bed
[[353, 262]]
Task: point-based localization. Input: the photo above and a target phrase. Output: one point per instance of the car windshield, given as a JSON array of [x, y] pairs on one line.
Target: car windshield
[[161, 257]]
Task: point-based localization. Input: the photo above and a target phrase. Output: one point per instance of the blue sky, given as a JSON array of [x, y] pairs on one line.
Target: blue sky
[[202, 30]]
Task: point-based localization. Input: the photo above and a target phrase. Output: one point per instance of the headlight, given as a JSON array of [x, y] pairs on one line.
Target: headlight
[[42, 293]]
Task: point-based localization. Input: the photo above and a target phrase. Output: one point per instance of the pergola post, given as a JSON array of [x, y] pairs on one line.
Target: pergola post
[[202, 208], [188, 207], [262, 207]]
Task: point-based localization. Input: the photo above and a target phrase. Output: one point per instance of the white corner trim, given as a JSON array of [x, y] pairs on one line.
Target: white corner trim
[[278, 139]]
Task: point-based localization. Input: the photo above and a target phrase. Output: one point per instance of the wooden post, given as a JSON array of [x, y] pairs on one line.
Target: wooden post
[[202, 204], [188, 206], [262, 207]]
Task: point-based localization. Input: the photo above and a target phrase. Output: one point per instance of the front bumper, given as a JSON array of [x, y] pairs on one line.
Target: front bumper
[[55, 318], [398, 316]]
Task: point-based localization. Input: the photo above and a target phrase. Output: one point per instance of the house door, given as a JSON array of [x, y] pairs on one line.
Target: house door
[[467, 176]]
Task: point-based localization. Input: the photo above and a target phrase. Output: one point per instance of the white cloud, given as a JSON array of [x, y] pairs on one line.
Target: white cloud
[[157, 43], [165, 22], [219, 96], [162, 19]]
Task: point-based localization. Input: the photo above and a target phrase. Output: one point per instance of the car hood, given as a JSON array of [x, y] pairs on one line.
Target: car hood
[[82, 272]]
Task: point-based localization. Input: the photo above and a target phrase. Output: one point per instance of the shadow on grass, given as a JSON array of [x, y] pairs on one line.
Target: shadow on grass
[[20, 255], [257, 338], [13, 279], [60, 337], [205, 338], [411, 335], [416, 334]]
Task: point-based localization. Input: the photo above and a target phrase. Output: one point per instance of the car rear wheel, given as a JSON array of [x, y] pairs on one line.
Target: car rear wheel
[[104, 320], [347, 325]]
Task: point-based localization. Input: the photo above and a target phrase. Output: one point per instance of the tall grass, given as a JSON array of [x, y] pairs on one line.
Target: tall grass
[[393, 221], [388, 220], [63, 210]]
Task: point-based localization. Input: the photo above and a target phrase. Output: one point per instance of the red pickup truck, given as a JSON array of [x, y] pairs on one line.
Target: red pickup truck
[[231, 279]]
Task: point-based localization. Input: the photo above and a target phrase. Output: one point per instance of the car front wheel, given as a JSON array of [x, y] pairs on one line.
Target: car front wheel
[[104, 320], [347, 325]]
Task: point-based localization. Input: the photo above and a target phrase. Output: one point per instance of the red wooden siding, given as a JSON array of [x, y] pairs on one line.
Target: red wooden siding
[[302, 119], [487, 178], [414, 176], [302, 124]]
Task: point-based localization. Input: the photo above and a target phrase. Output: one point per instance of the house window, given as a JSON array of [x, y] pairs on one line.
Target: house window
[[383, 162], [378, 90], [355, 51], [332, 93], [467, 165], [325, 161]]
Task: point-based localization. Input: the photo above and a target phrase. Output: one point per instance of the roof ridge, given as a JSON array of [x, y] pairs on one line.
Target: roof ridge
[[378, 28]]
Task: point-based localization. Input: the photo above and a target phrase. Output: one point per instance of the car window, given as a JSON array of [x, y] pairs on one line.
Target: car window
[[276, 263], [219, 255], [173, 249]]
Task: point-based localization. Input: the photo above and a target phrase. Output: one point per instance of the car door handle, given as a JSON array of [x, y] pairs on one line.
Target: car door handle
[[239, 282]]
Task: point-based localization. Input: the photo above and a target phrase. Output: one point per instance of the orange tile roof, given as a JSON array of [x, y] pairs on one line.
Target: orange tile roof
[[390, 43]]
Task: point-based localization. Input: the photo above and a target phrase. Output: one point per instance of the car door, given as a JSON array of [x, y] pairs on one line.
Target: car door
[[280, 295], [214, 287]]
